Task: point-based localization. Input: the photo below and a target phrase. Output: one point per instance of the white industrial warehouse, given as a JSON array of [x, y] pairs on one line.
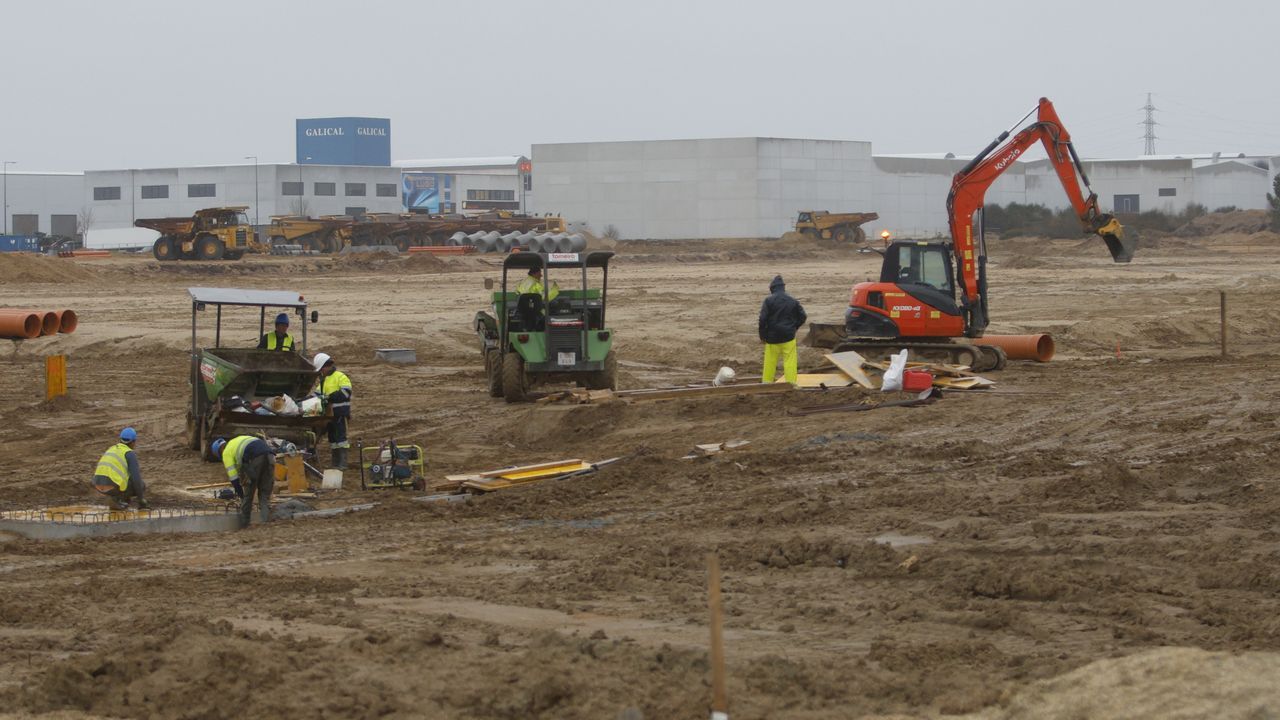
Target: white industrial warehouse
[[745, 187]]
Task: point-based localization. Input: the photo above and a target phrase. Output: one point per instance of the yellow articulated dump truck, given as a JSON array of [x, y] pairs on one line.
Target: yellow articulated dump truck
[[209, 234], [842, 227]]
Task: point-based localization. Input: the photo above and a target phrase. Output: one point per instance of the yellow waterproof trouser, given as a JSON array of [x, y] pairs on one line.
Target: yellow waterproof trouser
[[771, 352]]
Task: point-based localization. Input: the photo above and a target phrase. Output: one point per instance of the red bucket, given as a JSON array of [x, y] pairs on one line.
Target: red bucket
[[916, 381]]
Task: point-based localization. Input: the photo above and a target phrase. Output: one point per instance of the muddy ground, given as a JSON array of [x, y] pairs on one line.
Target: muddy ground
[[1101, 508]]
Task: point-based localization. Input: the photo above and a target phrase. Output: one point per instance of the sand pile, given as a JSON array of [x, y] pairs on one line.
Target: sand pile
[[23, 267], [1239, 221], [1168, 683]]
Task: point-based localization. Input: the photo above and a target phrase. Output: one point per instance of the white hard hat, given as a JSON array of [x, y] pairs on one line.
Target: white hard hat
[[320, 360]]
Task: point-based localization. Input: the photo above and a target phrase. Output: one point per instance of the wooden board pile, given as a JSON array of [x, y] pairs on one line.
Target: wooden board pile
[[853, 368], [503, 478]]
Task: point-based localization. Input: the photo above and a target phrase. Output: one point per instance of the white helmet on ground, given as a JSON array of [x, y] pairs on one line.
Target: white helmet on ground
[[320, 360]]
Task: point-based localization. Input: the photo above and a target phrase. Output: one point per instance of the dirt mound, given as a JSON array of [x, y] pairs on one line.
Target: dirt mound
[[22, 267], [1238, 221], [1169, 683], [425, 262]]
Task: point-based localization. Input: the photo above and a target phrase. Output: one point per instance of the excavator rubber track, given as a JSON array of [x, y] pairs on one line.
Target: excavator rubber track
[[978, 358]]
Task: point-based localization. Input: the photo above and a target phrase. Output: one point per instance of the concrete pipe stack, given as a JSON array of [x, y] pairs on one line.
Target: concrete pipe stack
[[24, 324], [456, 239], [511, 240]]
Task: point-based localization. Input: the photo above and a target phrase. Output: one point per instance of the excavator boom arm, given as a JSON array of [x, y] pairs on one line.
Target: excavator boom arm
[[969, 188]]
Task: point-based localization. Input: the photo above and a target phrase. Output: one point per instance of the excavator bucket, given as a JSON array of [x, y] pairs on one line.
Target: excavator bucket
[[1121, 247]]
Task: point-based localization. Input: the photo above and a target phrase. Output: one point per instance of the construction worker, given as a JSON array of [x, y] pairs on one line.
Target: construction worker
[[335, 388], [251, 466], [119, 476], [280, 339], [532, 285], [780, 317]]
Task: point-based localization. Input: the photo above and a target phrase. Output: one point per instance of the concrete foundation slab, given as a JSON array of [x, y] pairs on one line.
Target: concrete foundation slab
[[75, 521]]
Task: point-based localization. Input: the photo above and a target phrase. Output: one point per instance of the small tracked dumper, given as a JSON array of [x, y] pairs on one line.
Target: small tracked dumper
[[219, 373]]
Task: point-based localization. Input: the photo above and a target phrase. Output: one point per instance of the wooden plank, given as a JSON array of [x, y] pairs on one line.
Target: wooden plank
[[813, 380], [850, 363], [523, 468], [967, 383], [545, 472], [708, 391], [208, 486]]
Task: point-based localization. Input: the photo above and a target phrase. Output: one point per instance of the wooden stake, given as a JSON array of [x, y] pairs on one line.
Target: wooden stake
[[55, 376], [1222, 318], [719, 695]]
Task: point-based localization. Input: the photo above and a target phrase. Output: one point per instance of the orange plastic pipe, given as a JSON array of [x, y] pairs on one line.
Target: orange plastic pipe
[[1021, 347], [49, 322], [67, 321], [19, 325]]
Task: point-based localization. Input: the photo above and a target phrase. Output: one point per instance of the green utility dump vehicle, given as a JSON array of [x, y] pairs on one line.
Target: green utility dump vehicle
[[238, 370], [536, 338]]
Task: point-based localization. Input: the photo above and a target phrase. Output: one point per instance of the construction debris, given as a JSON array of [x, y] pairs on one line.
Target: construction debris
[[928, 397], [503, 478], [945, 376], [709, 449]]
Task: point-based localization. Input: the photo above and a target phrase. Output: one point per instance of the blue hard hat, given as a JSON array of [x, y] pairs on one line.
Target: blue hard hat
[[282, 319], [128, 434], [217, 446]]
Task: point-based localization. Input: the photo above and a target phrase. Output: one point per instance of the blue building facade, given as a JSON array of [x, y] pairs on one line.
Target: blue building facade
[[344, 141]]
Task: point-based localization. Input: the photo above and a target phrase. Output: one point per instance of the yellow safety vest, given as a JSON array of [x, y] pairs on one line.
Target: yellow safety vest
[[333, 382], [233, 454], [274, 344], [115, 466], [532, 286]]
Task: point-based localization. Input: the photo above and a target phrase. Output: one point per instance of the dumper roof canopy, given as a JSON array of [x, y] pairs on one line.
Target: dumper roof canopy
[[528, 260], [257, 298]]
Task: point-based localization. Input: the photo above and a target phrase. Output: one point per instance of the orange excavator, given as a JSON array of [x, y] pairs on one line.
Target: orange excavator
[[932, 296]]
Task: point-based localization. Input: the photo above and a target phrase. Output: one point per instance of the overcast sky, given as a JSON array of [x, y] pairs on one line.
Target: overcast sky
[[152, 83]]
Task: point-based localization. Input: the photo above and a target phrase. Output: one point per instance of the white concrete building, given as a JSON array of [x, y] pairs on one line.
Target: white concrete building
[[118, 197], [713, 188], [46, 202], [470, 186]]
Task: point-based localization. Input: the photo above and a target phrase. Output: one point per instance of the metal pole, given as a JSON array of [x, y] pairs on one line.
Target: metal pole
[[7, 163], [255, 186]]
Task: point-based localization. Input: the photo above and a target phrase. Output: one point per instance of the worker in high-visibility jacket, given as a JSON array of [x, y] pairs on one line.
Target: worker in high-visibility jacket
[[335, 389], [251, 467], [532, 285], [280, 339], [119, 476]]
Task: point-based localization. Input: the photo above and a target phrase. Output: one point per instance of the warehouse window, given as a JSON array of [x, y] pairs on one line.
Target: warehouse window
[[155, 192], [528, 182], [354, 211], [355, 190], [291, 188], [492, 195], [326, 189], [202, 190], [106, 193], [1168, 192], [386, 190]]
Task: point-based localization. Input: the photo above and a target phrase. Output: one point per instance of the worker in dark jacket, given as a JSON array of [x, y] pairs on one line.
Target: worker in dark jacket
[[118, 475], [780, 317], [280, 339], [251, 468]]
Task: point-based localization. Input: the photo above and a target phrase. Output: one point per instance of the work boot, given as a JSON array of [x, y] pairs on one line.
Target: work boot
[[119, 504], [143, 504]]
